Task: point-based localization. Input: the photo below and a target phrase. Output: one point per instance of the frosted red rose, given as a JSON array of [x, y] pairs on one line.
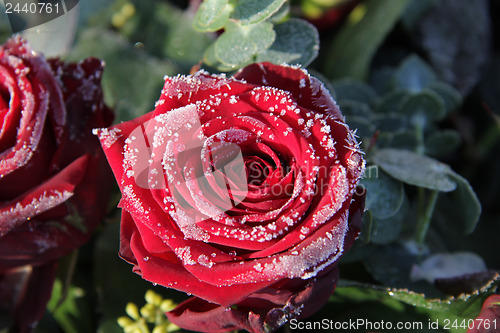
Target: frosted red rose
[[240, 191], [54, 179]]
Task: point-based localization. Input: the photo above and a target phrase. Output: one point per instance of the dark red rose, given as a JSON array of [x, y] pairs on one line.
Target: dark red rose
[[54, 180], [488, 320], [240, 191]]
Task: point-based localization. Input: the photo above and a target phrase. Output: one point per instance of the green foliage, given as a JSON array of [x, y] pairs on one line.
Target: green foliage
[[212, 15], [151, 314], [296, 43], [398, 120], [255, 31], [251, 12], [415, 169], [131, 96]]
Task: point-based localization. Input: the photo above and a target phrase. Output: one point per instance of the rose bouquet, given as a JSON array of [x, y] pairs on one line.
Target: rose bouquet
[[277, 166]]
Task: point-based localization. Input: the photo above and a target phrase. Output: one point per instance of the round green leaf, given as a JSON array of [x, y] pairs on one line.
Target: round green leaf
[[413, 75], [384, 194], [386, 231], [404, 139], [212, 15], [348, 89], [450, 96], [297, 43], [249, 12], [238, 44], [442, 142], [363, 127], [466, 202], [424, 106], [354, 108], [392, 102], [415, 169]]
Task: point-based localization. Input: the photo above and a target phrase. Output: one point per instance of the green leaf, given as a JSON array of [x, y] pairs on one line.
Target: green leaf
[[249, 12], [390, 122], [297, 43], [450, 96], [462, 306], [425, 106], [467, 204], [405, 139], [363, 126], [384, 194], [130, 95], [391, 265], [182, 43], [348, 89], [386, 231], [212, 15], [392, 102], [356, 43], [238, 44], [354, 108], [427, 313], [74, 313], [442, 142], [413, 75], [415, 169]]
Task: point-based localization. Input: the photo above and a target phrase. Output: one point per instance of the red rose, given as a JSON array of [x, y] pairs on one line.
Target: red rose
[[53, 175], [240, 191], [488, 320]]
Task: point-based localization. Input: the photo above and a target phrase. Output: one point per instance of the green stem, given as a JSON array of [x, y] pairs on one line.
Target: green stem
[[424, 216]]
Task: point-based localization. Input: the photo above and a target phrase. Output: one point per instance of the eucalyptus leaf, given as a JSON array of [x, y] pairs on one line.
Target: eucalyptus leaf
[[467, 204], [388, 230], [355, 108], [384, 194], [183, 44], [404, 139], [212, 15], [363, 127], [297, 43], [414, 75], [450, 96], [392, 102], [456, 38], [391, 265], [381, 79], [249, 12], [424, 106], [443, 142], [238, 44], [416, 169], [356, 43]]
